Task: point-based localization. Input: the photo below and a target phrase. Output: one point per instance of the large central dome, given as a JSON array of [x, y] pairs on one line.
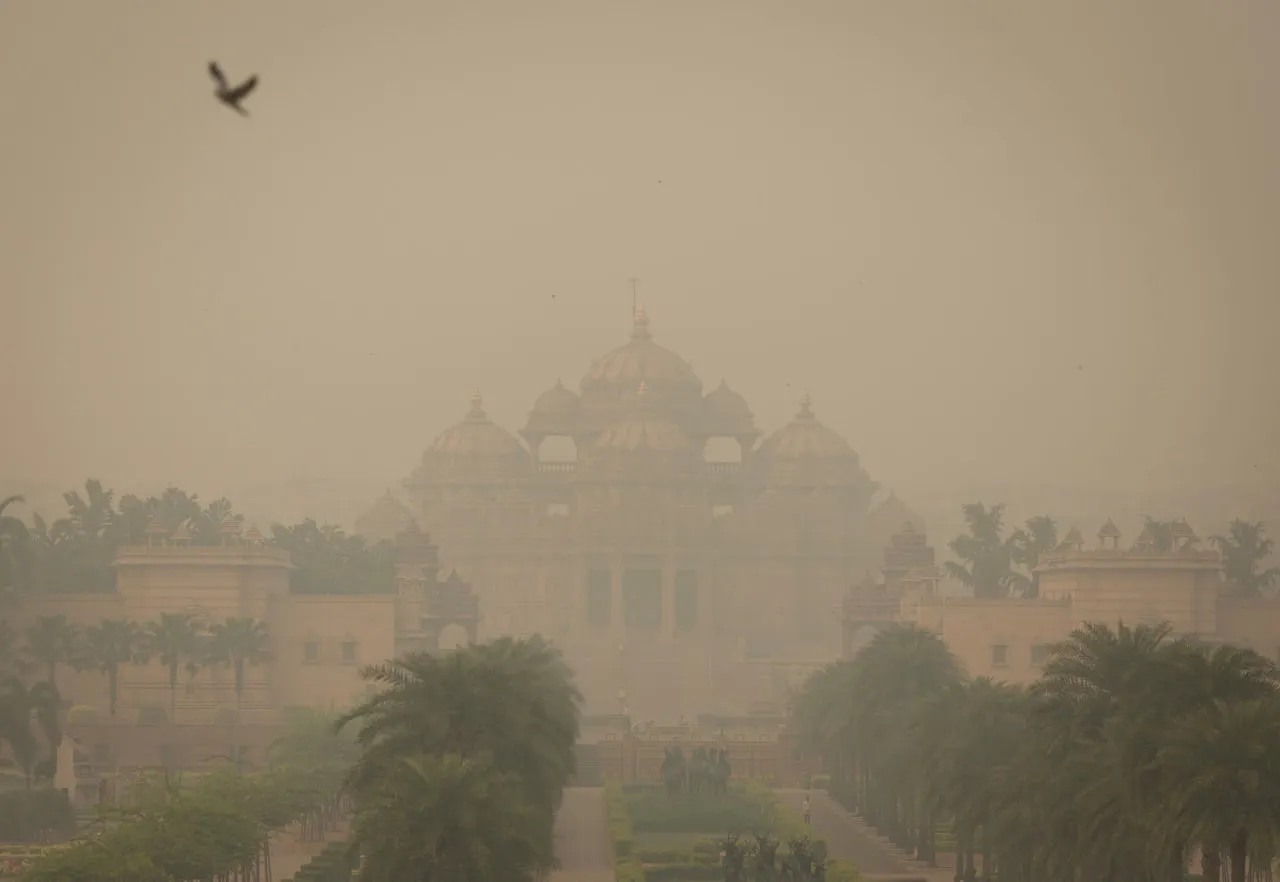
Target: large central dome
[[611, 381]]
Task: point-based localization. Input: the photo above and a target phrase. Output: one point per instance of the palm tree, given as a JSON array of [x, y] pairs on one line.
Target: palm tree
[[240, 643], [449, 817], [513, 700], [1223, 783], [173, 640], [110, 644], [1243, 550], [52, 641], [17, 706], [15, 550], [986, 557]]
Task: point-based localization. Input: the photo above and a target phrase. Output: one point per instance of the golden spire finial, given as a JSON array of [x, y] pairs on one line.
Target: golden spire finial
[[476, 412], [639, 323], [806, 407], [642, 389]]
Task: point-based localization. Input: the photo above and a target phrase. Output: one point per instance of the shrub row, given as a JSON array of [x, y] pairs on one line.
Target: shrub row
[[626, 866]]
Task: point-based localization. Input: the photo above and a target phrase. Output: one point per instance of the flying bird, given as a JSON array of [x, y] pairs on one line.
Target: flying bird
[[227, 95]]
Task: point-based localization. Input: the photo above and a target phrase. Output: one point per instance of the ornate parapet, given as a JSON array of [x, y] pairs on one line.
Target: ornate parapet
[[1061, 559]]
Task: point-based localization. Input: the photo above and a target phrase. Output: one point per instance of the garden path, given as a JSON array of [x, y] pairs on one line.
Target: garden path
[[582, 837], [849, 839]]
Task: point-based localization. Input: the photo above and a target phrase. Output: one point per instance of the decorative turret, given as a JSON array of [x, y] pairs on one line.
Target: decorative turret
[[416, 555], [229, 530], [253, 537], [1109, 533], [1184, 538], [181, 537], [908, 554], [1073, 541], [156, 532]]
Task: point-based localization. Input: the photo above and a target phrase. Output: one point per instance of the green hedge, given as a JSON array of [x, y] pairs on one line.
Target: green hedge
[[619, 819], [653, 811]]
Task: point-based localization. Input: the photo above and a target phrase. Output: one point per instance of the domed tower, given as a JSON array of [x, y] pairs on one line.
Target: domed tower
[[608, 387], [807, 528], [555, 416], [474, 458]]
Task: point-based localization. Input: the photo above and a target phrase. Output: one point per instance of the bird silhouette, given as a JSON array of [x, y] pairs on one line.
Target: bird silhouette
[[227, 95]]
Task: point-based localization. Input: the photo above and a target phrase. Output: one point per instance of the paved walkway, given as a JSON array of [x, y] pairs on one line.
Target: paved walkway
[[848, 839], [582, 838], [289, 853]]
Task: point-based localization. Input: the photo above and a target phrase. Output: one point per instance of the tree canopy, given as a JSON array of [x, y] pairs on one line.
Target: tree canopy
[[74, 552], [1132, 751]]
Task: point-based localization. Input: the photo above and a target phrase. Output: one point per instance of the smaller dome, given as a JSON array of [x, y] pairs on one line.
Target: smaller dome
[[476, 435], [475, 451], [554, 413], [805, 437], [723, 401], [805, 453], [556, 401]]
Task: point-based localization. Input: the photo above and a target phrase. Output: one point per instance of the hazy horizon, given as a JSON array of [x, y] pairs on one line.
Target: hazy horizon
[[996, 245]]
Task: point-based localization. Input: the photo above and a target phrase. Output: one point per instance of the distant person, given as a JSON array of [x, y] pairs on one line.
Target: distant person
[[805, 808]]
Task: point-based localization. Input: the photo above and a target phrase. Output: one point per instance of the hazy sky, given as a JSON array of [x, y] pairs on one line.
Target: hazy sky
[[996, 241]]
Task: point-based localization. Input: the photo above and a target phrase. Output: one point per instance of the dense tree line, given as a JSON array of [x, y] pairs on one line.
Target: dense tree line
[[993, 564], [74, 553], [464, 760], [1132, 753]]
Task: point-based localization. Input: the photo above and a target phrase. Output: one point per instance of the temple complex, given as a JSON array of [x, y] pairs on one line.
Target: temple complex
[[691, 567]]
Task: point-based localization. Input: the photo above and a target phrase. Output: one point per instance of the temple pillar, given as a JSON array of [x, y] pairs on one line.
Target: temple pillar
[[668, 601], [617, 617], [706, 609]]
